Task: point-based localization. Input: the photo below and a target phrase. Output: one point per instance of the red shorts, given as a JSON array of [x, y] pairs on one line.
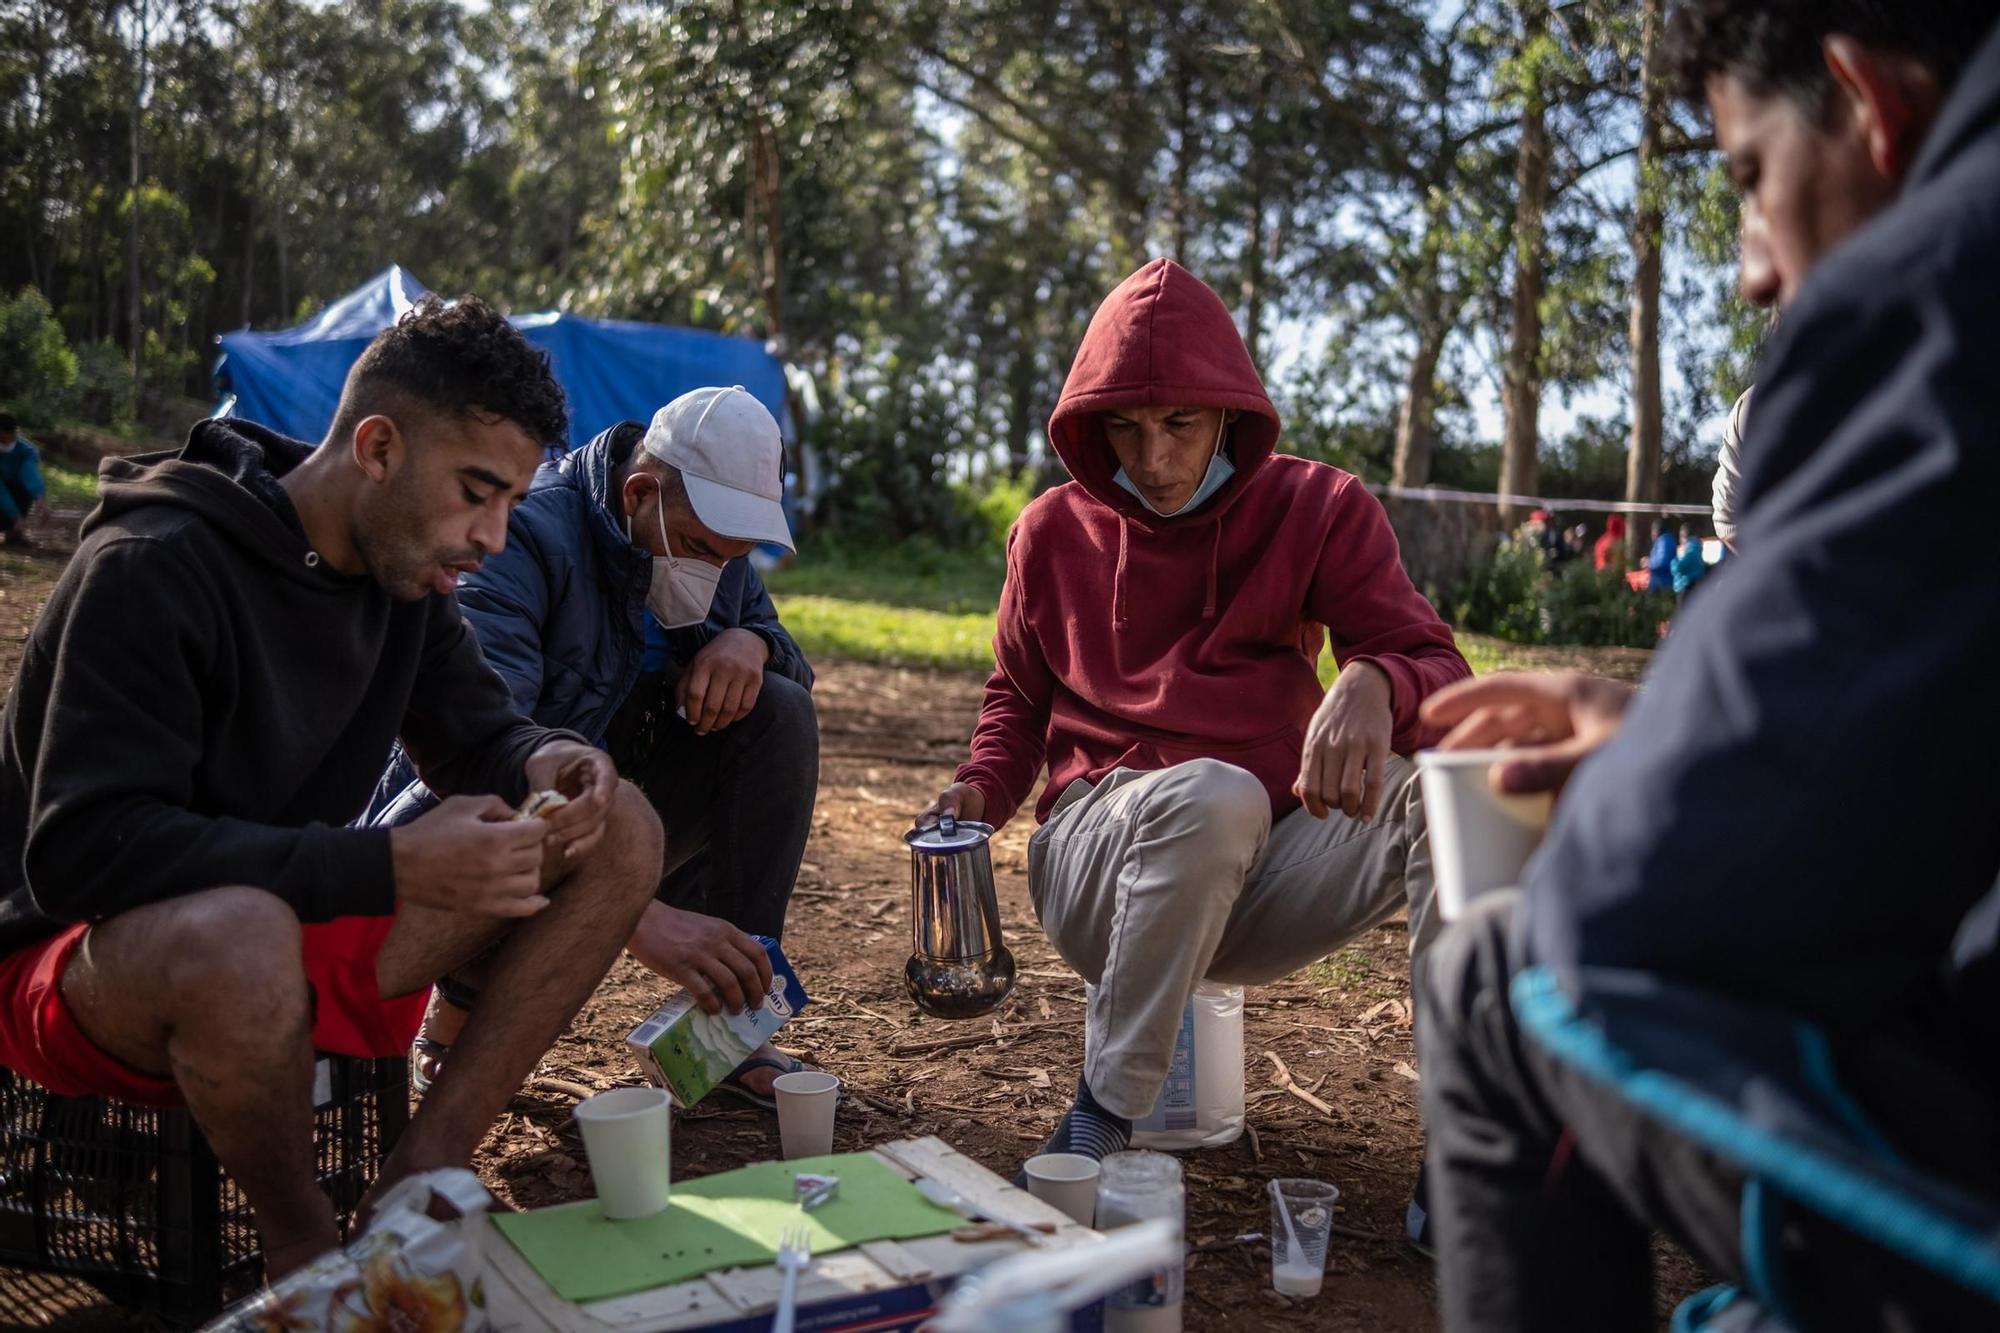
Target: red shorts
[[39, 1036]]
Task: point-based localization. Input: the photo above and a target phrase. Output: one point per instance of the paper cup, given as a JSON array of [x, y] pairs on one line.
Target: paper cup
[[625, 1135], [805, 1112], [1480, 839], [1065, 1180]]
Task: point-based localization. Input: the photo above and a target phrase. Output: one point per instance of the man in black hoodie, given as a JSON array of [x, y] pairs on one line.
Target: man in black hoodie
[[204, 705], [1748, 828]]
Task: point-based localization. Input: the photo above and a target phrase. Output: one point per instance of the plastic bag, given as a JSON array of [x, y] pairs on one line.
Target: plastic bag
[[408, 1271]]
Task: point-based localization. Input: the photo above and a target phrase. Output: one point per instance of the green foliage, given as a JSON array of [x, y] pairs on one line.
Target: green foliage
[[1503, 596], [69, 487], [994, 507], [919, 201], [885, 435], [37, 367], [1516, 597], [1594, 608], [103, 393]]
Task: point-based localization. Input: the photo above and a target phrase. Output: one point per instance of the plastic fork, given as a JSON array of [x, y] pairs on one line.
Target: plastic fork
[[794, 1254]]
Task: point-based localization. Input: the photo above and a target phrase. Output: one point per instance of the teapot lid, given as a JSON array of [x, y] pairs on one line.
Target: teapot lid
[[949, 835]]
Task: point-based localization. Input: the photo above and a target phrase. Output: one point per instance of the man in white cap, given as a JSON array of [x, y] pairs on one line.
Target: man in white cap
[[623, 608]]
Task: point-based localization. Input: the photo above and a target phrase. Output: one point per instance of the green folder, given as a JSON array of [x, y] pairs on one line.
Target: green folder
[[730, 1220]]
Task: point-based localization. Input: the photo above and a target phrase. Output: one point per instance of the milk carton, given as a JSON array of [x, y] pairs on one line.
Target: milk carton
[[688, 1052]]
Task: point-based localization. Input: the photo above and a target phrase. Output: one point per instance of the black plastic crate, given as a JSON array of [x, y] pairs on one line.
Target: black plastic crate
[[132, 1201]]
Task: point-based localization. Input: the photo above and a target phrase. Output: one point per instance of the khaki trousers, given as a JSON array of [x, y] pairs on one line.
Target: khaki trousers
[[1148, 883]]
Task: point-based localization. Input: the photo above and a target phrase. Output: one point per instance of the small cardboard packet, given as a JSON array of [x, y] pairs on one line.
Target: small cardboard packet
[[688, 1052]]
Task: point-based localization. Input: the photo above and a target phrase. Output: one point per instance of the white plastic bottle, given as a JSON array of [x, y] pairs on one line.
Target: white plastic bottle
[[1201, 1103]]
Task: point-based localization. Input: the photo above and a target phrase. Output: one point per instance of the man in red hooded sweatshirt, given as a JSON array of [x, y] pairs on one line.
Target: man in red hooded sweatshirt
[[1210, 812]]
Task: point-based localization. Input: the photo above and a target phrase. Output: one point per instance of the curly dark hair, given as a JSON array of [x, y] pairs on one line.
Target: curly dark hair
[[457, 357], [1774, 46]]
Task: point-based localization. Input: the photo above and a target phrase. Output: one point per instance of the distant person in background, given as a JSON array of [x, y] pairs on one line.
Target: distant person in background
[[1611, 546], [1690, 565], [21, 484], [1660, 563]]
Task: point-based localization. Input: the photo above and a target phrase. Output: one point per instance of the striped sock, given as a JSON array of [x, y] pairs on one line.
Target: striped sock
[[1089, 1129]]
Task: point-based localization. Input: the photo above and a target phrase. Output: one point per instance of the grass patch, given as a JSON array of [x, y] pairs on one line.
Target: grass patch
[[918, 576], [69, 486], [889, 635], [922, 605]]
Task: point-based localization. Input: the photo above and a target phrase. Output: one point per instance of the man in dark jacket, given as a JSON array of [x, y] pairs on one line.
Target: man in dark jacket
[[1871, 451], [624, 608], [185, 913]]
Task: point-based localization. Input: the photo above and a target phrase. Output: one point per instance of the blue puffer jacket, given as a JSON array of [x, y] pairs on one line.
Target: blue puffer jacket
[[561, 612]]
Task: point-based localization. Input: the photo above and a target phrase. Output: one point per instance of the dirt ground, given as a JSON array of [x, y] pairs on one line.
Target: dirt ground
[[1330, 1068]]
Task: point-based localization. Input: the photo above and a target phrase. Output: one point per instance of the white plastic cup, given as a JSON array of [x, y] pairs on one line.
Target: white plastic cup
[[805, 1112], [1480, 838], [626, 1137], [1067, 1181]]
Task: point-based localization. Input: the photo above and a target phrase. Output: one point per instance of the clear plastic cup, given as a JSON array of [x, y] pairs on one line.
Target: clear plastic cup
[[1135, 1187], [1301, 1226]]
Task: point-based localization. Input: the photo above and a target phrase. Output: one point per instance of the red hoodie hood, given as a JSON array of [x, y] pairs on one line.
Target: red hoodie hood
[[1129, 640], [1163, 338]]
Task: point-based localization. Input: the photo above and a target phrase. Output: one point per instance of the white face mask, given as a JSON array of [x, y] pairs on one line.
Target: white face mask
[[1220, 470], [682, 590]]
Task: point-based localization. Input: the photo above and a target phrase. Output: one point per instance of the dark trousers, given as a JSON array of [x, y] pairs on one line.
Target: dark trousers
[[1545, 1188], [736, 804], [18, 501]]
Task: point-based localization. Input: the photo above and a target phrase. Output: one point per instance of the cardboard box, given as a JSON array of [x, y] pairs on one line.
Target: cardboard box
[[688, 1052], [880, 1287]]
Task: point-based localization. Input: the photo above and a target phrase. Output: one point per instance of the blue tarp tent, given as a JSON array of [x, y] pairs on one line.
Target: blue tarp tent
[[612, 369]]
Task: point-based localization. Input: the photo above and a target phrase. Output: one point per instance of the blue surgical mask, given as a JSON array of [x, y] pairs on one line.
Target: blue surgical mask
[[1220, 470]]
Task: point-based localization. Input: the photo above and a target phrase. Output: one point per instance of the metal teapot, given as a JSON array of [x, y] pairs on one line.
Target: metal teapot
[[959, 968]]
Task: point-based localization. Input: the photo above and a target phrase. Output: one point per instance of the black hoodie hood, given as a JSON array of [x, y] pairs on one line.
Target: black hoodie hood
[[203, 701], [228, 472]]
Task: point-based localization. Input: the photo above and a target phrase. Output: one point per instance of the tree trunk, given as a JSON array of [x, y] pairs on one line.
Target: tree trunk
[[38, 187], [1643, 459], [1187, 147], [762, 211], [1127, 171], [1413, 425], [279, 235], [573, 200], [253, 188], [134, 310], [1021, 373], [1522, 388], [1253, 245]]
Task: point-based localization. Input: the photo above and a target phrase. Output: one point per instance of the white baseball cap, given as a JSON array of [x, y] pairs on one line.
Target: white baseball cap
[[726, 445]]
